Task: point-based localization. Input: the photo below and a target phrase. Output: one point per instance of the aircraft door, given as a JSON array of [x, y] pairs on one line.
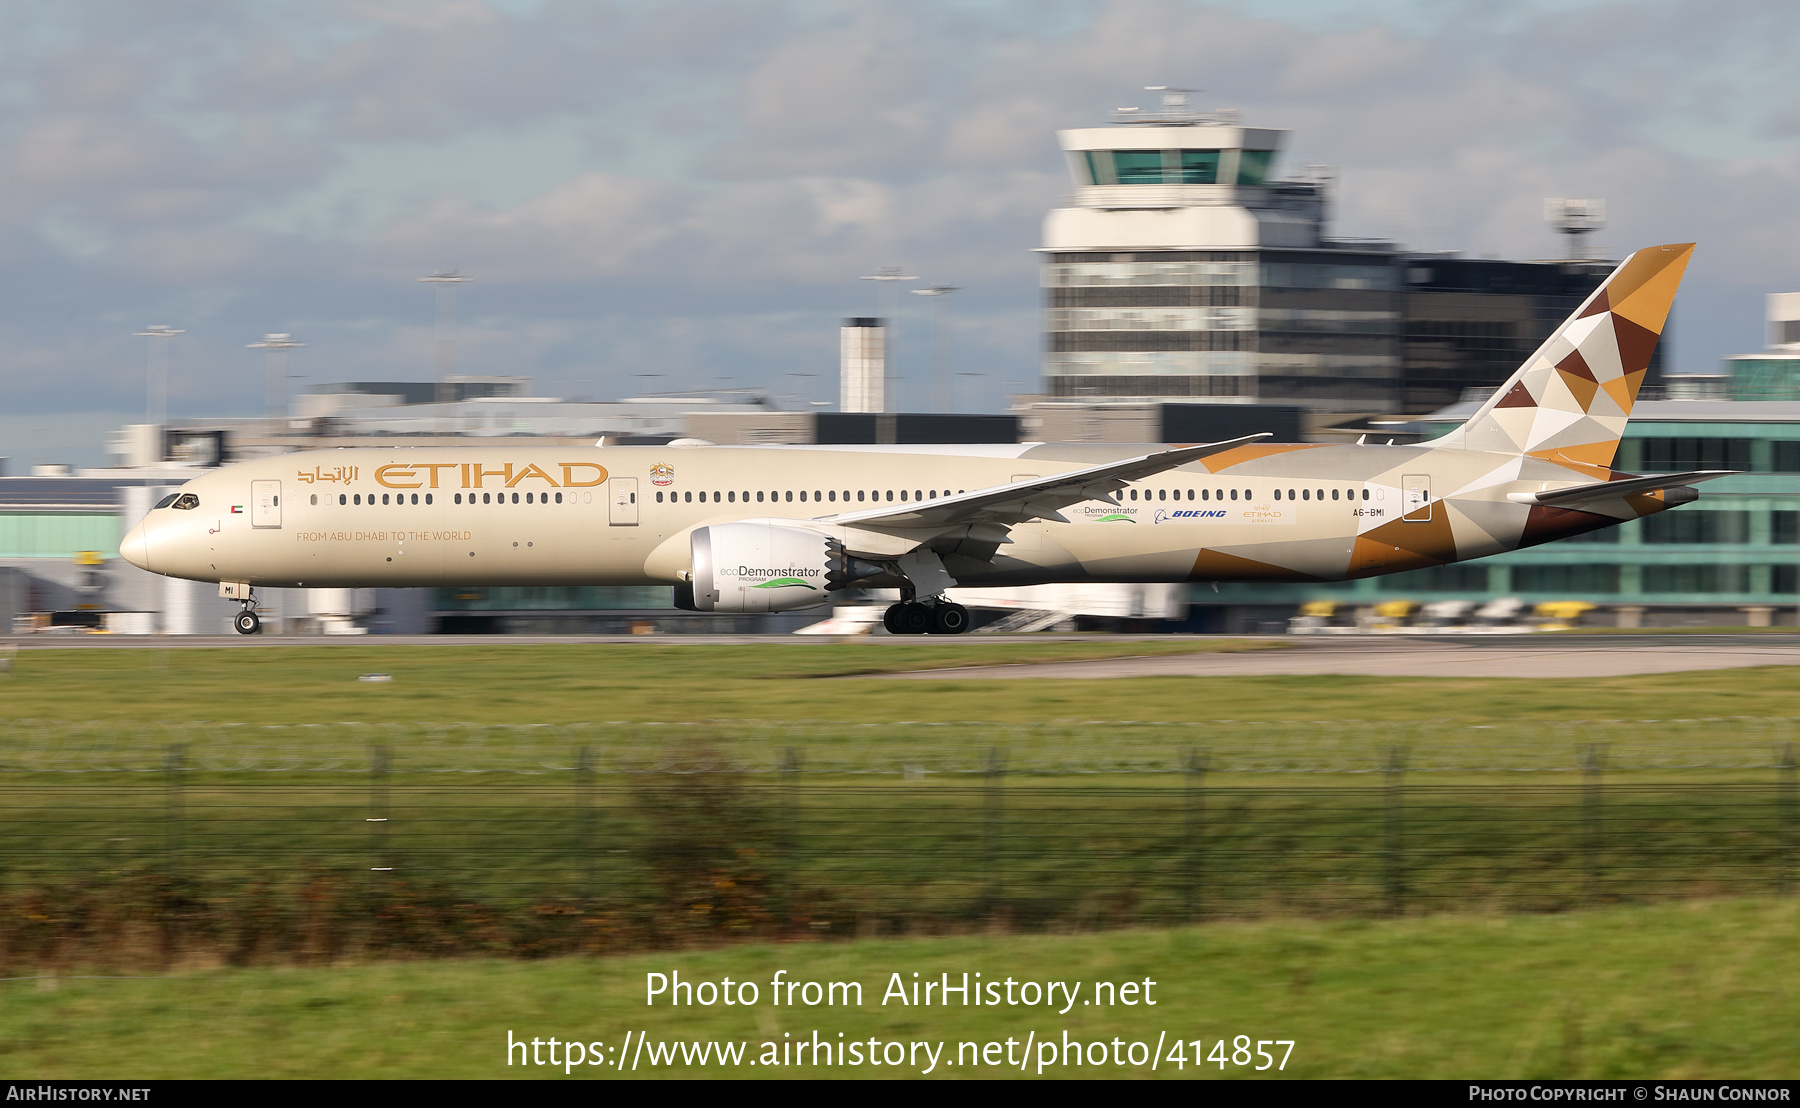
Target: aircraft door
[[1416, 498], [623, 496], [265, 503]]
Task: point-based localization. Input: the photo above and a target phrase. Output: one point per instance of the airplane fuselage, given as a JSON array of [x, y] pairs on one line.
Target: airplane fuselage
[[526, 515]]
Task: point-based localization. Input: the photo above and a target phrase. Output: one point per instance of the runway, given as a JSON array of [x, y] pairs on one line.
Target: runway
[[1508, 656], [1525, 656]]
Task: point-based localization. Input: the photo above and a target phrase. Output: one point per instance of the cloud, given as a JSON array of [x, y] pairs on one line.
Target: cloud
[[704, 180]]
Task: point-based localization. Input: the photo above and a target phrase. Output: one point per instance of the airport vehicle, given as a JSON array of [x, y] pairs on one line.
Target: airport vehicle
[[777, 528]]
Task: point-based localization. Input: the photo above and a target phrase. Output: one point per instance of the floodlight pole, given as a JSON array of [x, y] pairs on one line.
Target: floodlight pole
[[277, 346], [156, 373]]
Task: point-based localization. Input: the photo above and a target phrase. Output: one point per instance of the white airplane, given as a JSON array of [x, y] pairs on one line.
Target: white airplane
[[779, 528]]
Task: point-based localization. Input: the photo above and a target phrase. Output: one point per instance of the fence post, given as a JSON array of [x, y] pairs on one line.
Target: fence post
[[1195, 855], [378, 815], [785, 839], [1592, 763], [1394, 827], [172, 849], [994, 774], [584, 818], [173, 814], [1784, 814]]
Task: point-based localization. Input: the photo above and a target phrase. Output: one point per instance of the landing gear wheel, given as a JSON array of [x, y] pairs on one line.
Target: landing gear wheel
[[914, 619], [949, 619], [890, 619], [246, 622]]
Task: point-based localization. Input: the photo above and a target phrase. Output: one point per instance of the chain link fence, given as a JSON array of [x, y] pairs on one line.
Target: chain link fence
[[157, 842], [832, 748]]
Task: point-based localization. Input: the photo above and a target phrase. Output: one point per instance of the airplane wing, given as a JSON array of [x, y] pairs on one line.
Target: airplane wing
[[1612, 490], [1037, 498]]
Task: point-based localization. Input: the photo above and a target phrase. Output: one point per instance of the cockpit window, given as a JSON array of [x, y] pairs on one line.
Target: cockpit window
[[186, 501], [167, 500]]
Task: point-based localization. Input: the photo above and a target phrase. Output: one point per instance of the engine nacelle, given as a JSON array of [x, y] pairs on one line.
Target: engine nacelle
[[761, 566]]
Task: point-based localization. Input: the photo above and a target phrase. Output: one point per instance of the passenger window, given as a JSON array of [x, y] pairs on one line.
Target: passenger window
[[759, 498], [1234, 494], [427, 498], [733, 496], [558, 498], [1162, 494], [834, 496], [1134, 494], [902, 494], [1204, 496], [357, 500], [802, 496], [859, 494], [1365, 495], [342, 498], [815, 496], [1290, 494], [790, 497], [459, 498], [890, 493], [1278, 494], [659, 498], [315, 500], [484, 497], [1190, 494]]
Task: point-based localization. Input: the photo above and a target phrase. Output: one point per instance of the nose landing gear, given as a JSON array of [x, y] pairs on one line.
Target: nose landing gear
[[246, 621], [937, 617]]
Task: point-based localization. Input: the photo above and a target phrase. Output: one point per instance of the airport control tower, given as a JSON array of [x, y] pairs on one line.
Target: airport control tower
[[1187, 267]]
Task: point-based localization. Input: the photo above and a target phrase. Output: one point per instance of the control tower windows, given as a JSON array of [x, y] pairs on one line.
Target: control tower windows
[[1253, 166], [1177, 167], [1138, 167], [1199, 167]]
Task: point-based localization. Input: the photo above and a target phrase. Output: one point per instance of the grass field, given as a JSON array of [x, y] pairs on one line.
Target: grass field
[[1675, 991], [779, 680], [496, 841]]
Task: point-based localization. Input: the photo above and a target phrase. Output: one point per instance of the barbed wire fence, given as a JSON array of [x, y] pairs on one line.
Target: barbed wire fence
[[135, 842]]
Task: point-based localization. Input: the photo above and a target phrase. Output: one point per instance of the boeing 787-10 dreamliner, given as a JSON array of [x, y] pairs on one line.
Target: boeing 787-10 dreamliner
[[778, 528]]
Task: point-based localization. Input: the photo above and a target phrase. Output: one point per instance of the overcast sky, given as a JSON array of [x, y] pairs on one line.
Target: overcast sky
[[682, 194]]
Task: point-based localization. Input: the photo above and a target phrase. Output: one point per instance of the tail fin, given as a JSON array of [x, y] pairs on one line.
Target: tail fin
[[1570, 400]]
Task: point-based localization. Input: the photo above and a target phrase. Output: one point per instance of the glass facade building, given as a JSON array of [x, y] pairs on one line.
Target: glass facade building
[[1714, 562]]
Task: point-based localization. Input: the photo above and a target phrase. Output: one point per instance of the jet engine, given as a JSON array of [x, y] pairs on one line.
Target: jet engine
[[765, 565]]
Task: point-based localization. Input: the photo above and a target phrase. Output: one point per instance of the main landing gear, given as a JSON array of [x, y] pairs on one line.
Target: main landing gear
[[914, 618], [246, 621]]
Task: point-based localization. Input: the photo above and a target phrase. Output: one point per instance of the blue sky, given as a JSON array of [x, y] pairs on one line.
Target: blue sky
[[682, 194]]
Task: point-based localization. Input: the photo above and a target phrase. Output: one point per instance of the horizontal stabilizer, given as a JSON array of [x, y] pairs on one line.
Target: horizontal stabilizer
[[1611, 490]]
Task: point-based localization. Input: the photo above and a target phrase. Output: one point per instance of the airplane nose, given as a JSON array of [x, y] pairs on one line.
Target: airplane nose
[[135, 547]]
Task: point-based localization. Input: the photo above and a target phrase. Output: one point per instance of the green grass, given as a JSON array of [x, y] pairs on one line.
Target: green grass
[[773, 681], [1693, 990]]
